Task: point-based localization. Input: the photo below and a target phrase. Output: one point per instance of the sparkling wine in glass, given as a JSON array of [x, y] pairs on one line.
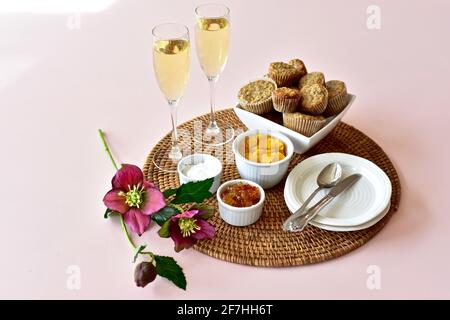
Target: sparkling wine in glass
[[171, 63], [212, 38]]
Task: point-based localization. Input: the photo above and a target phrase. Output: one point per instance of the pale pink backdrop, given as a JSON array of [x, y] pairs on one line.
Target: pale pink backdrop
[[64, 74]]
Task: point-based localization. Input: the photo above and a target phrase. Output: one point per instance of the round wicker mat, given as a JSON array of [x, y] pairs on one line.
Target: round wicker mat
[[265, 243]]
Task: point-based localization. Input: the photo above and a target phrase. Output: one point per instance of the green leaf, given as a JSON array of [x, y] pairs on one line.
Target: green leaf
[[176, 206], [206, 210], [162, 215], [164, 231], [168, 268], [109, 212], [167, 193], [193, 191], [138, 251]]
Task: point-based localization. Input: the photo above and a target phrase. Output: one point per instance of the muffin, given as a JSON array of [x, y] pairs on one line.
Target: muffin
[[256, 96], [299, 65], [337, 97], [285, 99], [284, 74], [303, 123], [313, 99], [312, 77]]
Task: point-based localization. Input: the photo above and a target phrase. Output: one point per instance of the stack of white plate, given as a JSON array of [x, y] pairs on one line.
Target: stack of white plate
[[359, 207]]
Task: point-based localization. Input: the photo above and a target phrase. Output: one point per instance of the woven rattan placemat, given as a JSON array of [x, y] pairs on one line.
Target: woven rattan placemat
[[265, 243]]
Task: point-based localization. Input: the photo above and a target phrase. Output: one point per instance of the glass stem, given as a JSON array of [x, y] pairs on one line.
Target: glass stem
[[212, 129], [173, 116], [175, 153], [212, 96]]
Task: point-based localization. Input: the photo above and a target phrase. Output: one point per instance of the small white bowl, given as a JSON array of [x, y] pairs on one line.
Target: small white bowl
[[266, 175], [240, 216], [196, 158]]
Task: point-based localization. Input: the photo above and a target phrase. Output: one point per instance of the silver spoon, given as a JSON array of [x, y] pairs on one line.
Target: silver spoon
[[327, 178]]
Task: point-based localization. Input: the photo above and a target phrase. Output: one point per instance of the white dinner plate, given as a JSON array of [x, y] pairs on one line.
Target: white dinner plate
[[359, 205], [352, 228]]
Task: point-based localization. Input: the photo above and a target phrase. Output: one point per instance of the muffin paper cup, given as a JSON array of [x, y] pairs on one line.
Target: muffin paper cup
[[336, 105], [285, 104], [315, 110], [304, 126], [259, 107], [284, 80]]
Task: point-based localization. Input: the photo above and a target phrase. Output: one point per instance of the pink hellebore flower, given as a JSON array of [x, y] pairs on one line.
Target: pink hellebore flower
[[188, 227], [134, 197]]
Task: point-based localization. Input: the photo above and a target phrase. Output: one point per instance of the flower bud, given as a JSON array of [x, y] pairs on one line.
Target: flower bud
[[144, 273]]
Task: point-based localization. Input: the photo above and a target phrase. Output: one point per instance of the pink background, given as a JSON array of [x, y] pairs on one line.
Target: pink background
[[58, 85]]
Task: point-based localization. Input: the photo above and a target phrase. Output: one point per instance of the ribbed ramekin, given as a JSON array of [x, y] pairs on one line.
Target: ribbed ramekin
[[266, 175], [240, 216]]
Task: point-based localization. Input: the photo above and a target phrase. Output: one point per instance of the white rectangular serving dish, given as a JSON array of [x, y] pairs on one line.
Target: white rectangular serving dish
[[301, 143]]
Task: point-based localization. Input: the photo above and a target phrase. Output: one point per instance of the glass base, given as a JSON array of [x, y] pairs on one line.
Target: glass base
[[175, 154], [167, 159], [214, 134], [212, 129]]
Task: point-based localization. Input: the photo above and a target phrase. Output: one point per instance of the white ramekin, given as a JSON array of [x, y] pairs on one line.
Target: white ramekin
[[266, 175], [240, 216], [199, 158]]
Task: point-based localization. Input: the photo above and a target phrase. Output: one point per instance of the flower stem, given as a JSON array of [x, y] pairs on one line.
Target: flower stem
[[130, 239], [105, 144], [151, 254], [127, 234]]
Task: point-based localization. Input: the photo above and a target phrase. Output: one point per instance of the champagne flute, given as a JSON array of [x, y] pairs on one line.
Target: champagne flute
[[171, 63], [212, 38]]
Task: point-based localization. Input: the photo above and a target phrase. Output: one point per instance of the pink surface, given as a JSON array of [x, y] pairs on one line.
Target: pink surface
[[58, 84]]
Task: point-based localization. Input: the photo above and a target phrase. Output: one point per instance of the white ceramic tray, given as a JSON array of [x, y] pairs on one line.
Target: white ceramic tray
[[301, 143]]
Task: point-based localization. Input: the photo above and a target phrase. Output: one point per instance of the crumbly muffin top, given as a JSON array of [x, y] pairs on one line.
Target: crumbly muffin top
[[282, 68], [313, 94], [335, 88], [256, 91], [312, 77], [299, 115], [299, 65], [288, 93]]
